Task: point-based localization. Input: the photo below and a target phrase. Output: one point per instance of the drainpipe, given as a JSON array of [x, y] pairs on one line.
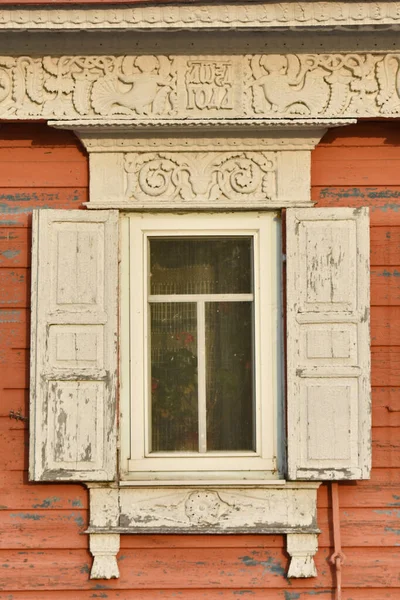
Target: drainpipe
[[337, 558]]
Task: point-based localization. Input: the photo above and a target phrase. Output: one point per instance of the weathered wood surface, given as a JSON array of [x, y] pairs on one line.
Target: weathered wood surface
[[41, 567]]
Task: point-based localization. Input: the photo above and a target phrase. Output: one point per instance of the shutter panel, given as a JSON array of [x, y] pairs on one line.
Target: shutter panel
[[74, 345], [328, 366]]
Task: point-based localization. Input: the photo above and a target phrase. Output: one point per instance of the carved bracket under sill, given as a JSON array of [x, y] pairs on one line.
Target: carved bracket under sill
[[286, 509]]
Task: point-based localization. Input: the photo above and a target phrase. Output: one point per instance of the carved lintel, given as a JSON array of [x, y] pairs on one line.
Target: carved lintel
[[280, 508], [263, 171], [177, 89], [302, 547], [104, 548]]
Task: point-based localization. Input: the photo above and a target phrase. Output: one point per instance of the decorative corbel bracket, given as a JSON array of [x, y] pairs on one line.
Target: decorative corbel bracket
[[104, 548], [302, 547]]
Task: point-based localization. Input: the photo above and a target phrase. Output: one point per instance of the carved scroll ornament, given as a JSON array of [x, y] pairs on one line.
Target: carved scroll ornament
[[198, 177], [184, 87]]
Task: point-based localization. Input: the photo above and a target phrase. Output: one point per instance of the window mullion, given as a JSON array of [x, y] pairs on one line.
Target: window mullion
[[201, 375]]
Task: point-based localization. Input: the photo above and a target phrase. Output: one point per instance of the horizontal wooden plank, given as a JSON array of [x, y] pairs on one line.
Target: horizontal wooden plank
[[36, 135], [361, 527], [13, 448], [14, 357], [201, 541], [385, 325], [355, 196], [385, 366], [385, 245], [173, 594], [372, 134], [202, 568], [17, 493], [387, 214], [13, 335], [43, 154], [368, 172], [14, 288], [16, 205], [385, 286], [384, 202], [15, 247], [211, 594], [345, 153], [375, 493], [386, 447], [37, 174], [386, 407], [21, 530], [16, 400], [14, 377]]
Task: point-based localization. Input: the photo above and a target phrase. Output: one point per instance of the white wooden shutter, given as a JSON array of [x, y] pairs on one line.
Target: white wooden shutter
[[74, 345], [328, 366]]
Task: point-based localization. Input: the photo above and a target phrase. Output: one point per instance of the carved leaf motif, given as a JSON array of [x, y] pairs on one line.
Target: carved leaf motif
[[386, 79], [34, 81], [81, 96]]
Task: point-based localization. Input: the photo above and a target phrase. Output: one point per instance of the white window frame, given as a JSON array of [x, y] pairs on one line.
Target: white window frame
[[137, 463]]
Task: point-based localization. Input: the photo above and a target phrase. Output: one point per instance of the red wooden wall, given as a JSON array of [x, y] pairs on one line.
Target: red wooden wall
[[43, 552]]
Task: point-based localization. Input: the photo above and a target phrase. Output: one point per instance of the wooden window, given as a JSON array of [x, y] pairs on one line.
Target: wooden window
[[200, 360], [223, 433]]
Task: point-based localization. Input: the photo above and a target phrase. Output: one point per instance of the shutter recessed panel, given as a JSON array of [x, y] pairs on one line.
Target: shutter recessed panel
[[328, 366], [74, 345]]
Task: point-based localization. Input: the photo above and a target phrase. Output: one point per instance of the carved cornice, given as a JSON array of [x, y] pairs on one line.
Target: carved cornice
[[182, 90], [205, 16]]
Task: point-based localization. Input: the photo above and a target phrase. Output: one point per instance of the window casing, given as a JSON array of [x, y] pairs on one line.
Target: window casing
[[139, 461]]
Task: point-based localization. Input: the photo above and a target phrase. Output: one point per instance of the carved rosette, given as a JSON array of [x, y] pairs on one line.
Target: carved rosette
[[201, 177], [205, 507]]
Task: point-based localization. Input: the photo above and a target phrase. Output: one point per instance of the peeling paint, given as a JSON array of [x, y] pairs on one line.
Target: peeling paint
[[28, 516], [76, 503], [84, 569], [386, 273], [269, 565], [10, 253], [79, 520], [388, 512], [48, 502], [292, 595], [9, 316]]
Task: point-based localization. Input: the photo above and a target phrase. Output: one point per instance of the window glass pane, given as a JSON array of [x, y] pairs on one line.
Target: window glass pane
[[174, 407], [201, 265], [230, 376]]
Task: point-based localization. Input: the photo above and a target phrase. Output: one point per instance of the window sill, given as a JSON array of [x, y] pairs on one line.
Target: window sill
[[272, 507]]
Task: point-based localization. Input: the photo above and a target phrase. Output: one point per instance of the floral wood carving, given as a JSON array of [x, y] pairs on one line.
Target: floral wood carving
[[195, 177], [80, 86], [205, 507], [242, 15], [186, 87], [326, 84]]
